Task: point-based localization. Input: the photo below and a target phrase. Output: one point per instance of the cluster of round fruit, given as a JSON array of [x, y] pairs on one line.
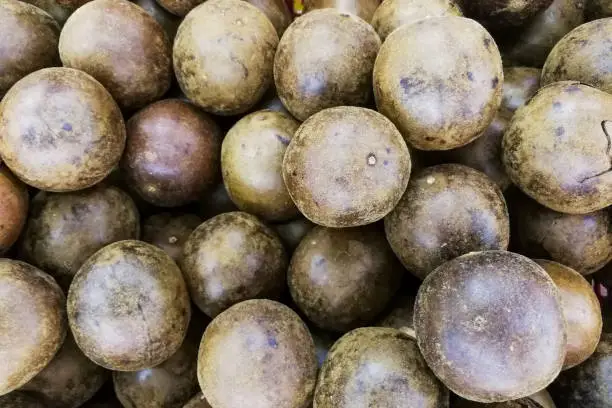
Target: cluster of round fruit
[[364, 206]]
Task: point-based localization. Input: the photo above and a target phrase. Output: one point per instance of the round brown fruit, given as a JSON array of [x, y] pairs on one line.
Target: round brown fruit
[[33, 322], [325, 59], [224, 55], [342, 279], [596, 9], [60, 130], [128, 306], [439, 104], [582, 242], [272, 357], [63, 230], [392, 14], [172, 153], [520, 84], [556, 148], [346, 167], [198, 401], [179, 7], [69, 380], [401, 315], [447, 211], [60, 10], [291, 233], [363, 9], [252, 160], [581, 310], [169, 22], [277, 12], [231, 258], [170, 232], [496, 14], [490, 326], [377, 367], [539, 400], [13, 208], [21, 399], [29, 42], [123, 47]]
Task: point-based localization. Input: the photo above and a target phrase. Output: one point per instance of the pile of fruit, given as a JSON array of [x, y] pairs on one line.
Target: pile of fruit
[[327, 204]]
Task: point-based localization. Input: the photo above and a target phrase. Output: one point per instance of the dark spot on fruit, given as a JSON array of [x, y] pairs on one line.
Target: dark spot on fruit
[[282, 139], [412, 86], [487, 42], [385, 163], [320, 261], [429, 138], [560, 131], [67, 127], [29, 137], [272, 342], [494, 82], [388, 149], [582, 43], [470, 76], [557, 105], [572, 89]]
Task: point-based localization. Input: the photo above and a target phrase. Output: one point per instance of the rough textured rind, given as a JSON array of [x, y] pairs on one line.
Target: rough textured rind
[[277, 12], [128, 306], [490, 326], [496, 14], [169, 22], [346, 167], [63, 230], [447, 211], [33, 324], [563, 160], [231, 258], [123, 47], [170, 232], [60, 10], [223, 56], [179, 7], [325, 59], [520, 84], [257, 354], [378, 367], [363, 9], [343, 278], [443, 100], [596, 9], [13, 208]]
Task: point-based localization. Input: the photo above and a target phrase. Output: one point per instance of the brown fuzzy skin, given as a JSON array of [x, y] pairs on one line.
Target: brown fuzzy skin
[[60, 10], [342, 279], [198, 401], [562, 160], [29, 42], [582, 242], [520, 84], [582, 55], [172, 153], [128, 306], [392, 14], [63, 230], [257, 354], [378, 367], [223, 56], [496, 14], [325, 59], [587, 385], [170, 232], [581, 310], [33, 324], [401, 317], [363, 9], [490, 325], [447, 211], [291, 233], [537, 38], [413, 89], [21, 399], [179, 7], [60, 130], [251, 163], [231, 258], [13, 208], [596, 9], [69, 380], [136, 66], [346, 167], [168, 21], [277, 12]]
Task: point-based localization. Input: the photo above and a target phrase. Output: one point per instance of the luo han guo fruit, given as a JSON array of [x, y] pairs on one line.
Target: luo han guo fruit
[[170, 232], [13, 208], [363, 9], [497, 14]]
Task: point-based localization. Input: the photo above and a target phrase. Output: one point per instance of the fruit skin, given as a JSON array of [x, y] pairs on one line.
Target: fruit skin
[[33, 320], [596, 9], [377, 367], [582, 55], [314, 59], [363, 9], [21, 399], [412, 86], [13, 208], [520, 84], [276, 367], [198, 401], [490, 326], [60, 130], [140, 40], [277, 12], [560, 160], [170, 232], [128, 306], [235, 36], [169, 22], [29, 42], [496, 14], [346, 167], [179, 8], [60, 10]]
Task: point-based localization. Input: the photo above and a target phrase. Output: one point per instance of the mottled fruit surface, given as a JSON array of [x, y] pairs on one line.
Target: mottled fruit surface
[[520, 84], [60, 10], [198, 401], [179, 7], [21, 399], [363, 9], [170, 232], [13, 208], [168, 21], [496, 14], [291, 233], [277, 11]]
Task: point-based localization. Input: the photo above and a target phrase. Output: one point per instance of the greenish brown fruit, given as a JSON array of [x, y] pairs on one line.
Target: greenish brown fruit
[[277, 12], [223, 56], [128, 306], [179, 8], [168, 21], [63, 230], [378, 367], [21, 399], [291, 233], [251, 163], [497, 14], [363, 9], [273, 362], [490, 326], [557, 148], [596, 9], [412, 87], [520, 84], [231, 258], [342, 279], [346, 167], [170, 232], [324, 60], [13, 208], [447, 211], [33, 310], [60, 10]]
